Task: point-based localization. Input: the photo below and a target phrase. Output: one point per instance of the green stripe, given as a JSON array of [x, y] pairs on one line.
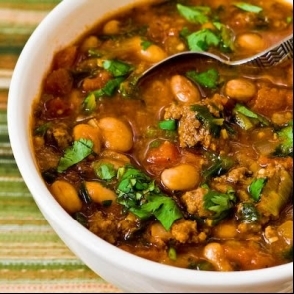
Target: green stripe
[[67, 265], [3, 117], [29, 237], [8, 168]]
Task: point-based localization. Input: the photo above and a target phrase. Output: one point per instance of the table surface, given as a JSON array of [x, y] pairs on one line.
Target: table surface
[[33, 259]]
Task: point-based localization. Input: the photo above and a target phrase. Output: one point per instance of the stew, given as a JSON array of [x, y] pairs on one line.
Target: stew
[[190, 167]]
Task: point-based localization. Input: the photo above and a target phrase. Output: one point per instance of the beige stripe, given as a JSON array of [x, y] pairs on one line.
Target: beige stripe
[[5, 77], [90, 287], [16, 16]]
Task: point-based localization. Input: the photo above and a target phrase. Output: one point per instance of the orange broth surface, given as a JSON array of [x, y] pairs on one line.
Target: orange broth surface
[[191, 166]]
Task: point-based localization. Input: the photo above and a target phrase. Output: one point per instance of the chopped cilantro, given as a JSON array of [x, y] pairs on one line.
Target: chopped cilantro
[[172, 253], [285, 136], [111, 86], [219, 203], [202, 40], [194, 14], [248, 7], [227, 37], [207, 78], [169, 124], [145, 44], [256, 187], [74, 154], [140, 195], [117, 68], [105, 171], [89, 104]]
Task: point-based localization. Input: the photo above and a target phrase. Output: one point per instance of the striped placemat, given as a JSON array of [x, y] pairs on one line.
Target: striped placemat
[[33, 259]]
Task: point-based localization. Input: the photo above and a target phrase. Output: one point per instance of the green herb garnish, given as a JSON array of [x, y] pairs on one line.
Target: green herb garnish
[[208, 79], [248, 7], [140, 195], [74, 154], [169, 124], [117, 68], [194, 14], [219, 203], [256, 187], [145, 44], [213, 124], [104, 171], [202, 40], [285, 136]]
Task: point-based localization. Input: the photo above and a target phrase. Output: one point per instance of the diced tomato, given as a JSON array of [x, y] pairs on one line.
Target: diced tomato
[[164, 155]]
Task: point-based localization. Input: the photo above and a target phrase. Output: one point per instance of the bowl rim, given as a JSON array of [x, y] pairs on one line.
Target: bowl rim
[[44, 199]]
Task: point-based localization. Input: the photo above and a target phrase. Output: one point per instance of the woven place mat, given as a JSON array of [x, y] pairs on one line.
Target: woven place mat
[[33, 259]]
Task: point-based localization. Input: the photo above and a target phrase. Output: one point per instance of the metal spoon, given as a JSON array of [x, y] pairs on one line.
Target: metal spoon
[[270, 57]]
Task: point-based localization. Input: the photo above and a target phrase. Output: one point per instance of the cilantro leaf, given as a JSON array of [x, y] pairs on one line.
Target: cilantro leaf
[[194, 14], [74, 154], [145, 44], [207, 78], [256, 187], [104, 171], [226, 37], [248, 7], [140, 195], [162, 207], [202, 40], [168, 124], [219, 203], [285, 136], [89, 103], [117, 68]]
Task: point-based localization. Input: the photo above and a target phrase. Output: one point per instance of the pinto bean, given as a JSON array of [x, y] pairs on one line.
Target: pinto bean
[[241, 90], [225, 230], [111, 27], [90, 42], [116, 134], [181, 177], [184, 90], [99, 193], [89, 132], [152, 53], [215, 254], [251, 42], [66, 195]]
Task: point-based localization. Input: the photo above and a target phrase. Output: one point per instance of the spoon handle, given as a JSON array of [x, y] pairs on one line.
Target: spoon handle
[[279, 53]]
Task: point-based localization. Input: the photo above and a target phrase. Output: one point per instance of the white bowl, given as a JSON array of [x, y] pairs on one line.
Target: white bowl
[[124, 270]]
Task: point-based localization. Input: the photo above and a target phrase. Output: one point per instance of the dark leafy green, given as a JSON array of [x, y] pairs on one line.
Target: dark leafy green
[[285, 136], [212, 123]]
